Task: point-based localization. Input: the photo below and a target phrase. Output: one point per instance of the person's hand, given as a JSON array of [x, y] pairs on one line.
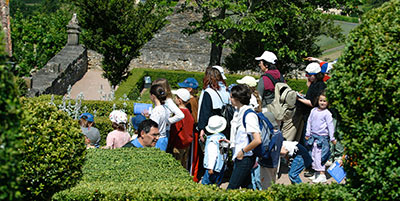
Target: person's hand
[[240, 155], [307, 138], [146, 113], [226, 140], [210, 172], [202, 135], [334, 142]]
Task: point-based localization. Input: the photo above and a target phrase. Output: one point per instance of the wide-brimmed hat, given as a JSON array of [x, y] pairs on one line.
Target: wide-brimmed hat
[[221, 70], [89, 117], [118, 116], [189, 83], [216, 124], [251, 81], [268, 57], [313, 68]]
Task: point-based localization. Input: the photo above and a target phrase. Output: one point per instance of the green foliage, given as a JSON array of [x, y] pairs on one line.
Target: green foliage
[[288, 28], [118, 29], [10, 157], [342, 18], [53, 150], [37, 38], [150, 174], [365, 89], [103, 123]]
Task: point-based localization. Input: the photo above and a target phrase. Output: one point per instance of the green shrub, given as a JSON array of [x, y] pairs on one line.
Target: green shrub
[[365, 89], [342, 18], [53, 149], [150, 174], [10, 157], [134, 84], [104, 125]]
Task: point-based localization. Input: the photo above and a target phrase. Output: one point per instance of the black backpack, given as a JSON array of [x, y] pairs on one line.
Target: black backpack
[[268, 96], [227, 111]]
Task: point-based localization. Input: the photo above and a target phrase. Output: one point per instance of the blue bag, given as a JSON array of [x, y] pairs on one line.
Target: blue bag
[[269, 150]]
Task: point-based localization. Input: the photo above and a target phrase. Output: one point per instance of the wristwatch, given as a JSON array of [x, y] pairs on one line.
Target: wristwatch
[[243, 151]]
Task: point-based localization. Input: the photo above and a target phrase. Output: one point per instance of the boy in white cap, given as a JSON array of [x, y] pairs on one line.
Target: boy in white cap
[[215, 151], [181, 133]]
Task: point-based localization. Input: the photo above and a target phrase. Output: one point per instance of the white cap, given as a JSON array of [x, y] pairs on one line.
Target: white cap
[[268, 56], [118, 117], [221, 70], [313, 68], [182, 93], [216, 124], [251, 81]]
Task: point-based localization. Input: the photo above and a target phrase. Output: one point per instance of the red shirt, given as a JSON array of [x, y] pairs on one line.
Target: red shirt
[[181, 133]]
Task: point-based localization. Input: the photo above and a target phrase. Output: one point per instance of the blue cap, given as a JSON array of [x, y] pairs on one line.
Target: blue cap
[[89, 117], [136, 120], [189, 83]]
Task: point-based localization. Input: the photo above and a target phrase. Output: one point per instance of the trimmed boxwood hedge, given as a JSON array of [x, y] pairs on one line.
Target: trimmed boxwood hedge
[[134, 84], [150, 174], [365, 89], [53, 149], [10, 136]]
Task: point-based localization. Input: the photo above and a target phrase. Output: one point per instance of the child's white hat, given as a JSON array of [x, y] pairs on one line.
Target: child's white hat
[[183, 94], [216, 124], [118, 117], [249, 80]]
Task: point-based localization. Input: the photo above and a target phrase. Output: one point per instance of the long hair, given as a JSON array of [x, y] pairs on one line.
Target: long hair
[[211, 78], [158, 91], [164, 83]]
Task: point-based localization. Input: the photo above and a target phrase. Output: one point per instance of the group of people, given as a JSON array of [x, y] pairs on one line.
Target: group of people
[[196, 132]]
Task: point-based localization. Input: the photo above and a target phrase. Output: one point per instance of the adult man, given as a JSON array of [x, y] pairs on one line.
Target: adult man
[[148, 135], [271, 75]]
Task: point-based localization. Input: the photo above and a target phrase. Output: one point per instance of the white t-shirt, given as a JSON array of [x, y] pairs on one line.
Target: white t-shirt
[[172, 108], [241, 134], [160, 115]]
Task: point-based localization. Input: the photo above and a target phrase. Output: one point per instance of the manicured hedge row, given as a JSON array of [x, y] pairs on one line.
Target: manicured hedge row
[[134, 84], [342, 18], [150, 174]]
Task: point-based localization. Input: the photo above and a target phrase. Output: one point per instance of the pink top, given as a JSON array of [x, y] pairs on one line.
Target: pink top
[[117, 139]]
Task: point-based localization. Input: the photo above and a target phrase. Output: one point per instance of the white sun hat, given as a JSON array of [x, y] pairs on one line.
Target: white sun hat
[[118, 117], [313, 68], [183, 94], [221, 70], [216, 124], [249, 80], [268, 56]]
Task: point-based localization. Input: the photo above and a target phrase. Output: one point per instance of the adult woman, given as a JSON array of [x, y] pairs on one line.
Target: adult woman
[[266, 85], [242, 145]]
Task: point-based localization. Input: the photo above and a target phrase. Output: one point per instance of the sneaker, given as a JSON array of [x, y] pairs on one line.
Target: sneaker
[[315, 176], [320, 179], [309, 173]]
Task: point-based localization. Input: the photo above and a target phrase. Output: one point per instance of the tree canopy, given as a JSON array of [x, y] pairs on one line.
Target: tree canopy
[[118, 29], [288, 28]]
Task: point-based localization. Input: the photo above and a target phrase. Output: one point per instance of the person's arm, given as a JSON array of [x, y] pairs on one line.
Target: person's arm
[[109, 142], [252, 127], [305, 101], [253, 144], [308, 128], [178, 114], [205, 114], [212, 151], [260, 86], [331, 127]]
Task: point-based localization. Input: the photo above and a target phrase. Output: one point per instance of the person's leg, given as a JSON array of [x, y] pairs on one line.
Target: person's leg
[[255, 178], [295, 170], [241, 175], [267, 176], [206, 179]]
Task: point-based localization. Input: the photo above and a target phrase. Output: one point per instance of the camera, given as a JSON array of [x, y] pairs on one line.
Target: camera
[[224, 144]]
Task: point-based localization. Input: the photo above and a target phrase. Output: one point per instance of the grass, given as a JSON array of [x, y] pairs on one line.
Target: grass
[[327, 43]]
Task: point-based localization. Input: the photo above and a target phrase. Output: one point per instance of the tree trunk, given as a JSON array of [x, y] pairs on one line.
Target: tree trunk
[[215, 54], [5, 24]]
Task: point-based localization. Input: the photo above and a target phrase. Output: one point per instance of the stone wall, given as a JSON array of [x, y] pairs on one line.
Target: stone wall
[[170, 49], [64, 69]]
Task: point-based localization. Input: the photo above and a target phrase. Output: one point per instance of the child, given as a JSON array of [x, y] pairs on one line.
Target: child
[[182, 131], [160, 114], [92, 134], [214, 157], [191, 85], [319, 132], [119, 136], [301, 159]]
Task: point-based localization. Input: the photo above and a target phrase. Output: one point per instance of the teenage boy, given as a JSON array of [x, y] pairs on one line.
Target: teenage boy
[[181, 133]]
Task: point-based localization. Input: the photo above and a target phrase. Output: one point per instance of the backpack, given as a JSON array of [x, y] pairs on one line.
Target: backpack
[[283, 105], [268, 96], [268, 152], [227, 112]]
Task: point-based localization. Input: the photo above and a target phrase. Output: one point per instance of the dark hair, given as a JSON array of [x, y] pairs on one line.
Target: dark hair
[[270, 66], [120, 126], [322, 93], [319, 76], [158, 91], [164, 83], [211, 78], [83, 122], [241, 93], [145, 126]]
